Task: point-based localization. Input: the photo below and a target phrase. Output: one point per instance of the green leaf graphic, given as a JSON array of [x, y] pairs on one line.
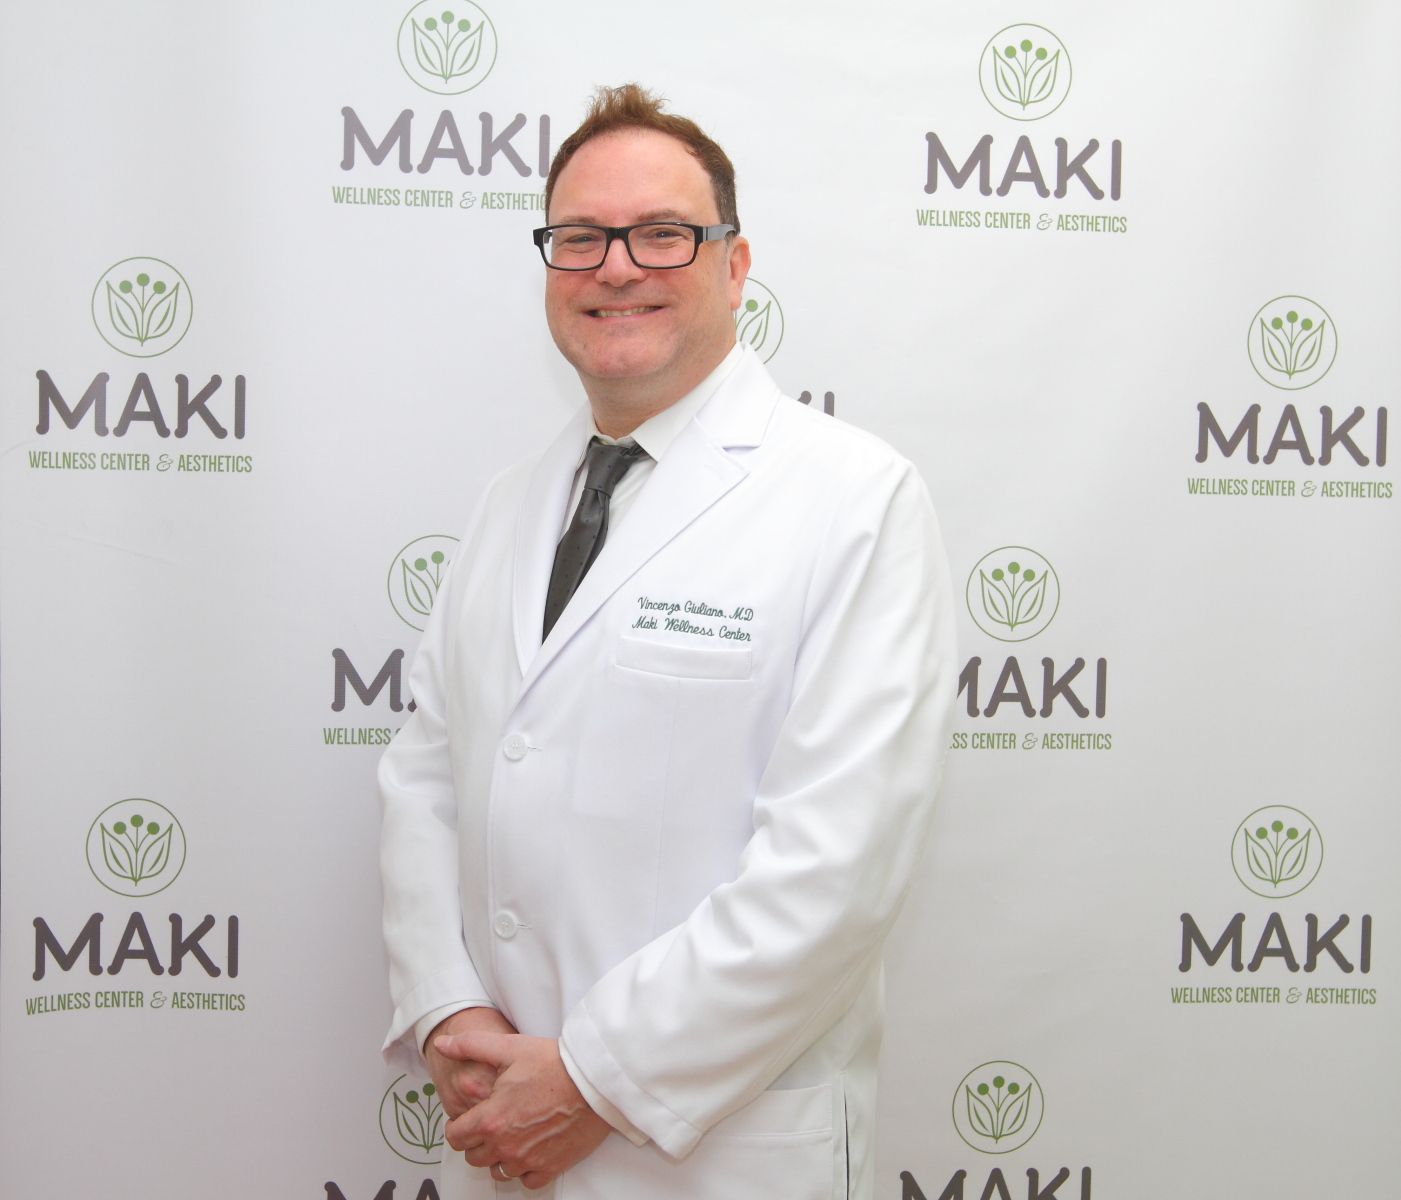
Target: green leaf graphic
[[427, 51], [1258, 859], [1028, 603], [409, 1122], [1292, 860], [1309, 348], [1274, 348], [466, 53], [1042, 80], [418, 593], [754, 329], [153, 856], [994, 600], [117, 855], [162, 314], [980, 1115], [1008, 81], [1014, 1117], [125, 318]]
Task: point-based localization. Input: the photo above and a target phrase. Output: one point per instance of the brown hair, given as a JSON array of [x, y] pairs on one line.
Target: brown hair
[[633, 107]]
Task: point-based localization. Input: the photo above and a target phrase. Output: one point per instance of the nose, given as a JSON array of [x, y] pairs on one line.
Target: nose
[[617, 267]]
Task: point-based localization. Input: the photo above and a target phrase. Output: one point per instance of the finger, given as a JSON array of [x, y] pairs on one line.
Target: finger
[[480, 1156], [533, 1181], [494, 1049]]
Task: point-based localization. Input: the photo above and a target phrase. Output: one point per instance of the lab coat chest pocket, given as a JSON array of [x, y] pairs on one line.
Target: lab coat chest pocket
[[628, 747]]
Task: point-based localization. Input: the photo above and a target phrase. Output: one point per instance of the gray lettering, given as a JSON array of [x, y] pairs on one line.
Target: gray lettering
[[94, 398], [88, 939], [939, 157], [1247, 429], [356, 134], [1230, 937], [501, 144]]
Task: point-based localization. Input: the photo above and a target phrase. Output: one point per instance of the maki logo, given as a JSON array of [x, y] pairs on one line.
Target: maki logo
[[142, 307], [1024, 72], [136, 848], [415, 576], [447, 51], [759, 320], [1292, 342], [1012, 594], [997, 1107], [1277, 851], [411, 1121]]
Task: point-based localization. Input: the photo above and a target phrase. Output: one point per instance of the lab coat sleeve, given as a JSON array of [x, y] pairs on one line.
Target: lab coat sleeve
[[429, 966], [699, 1021]]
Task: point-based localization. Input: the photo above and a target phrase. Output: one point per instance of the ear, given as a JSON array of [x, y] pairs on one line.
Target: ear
[[739, 270]]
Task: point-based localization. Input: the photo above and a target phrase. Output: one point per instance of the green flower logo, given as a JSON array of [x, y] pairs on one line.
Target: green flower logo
[[142, 307], [1024, 72], [416, 575], [411, 1121], [1292, 342], [997, 1107], [1277, 851], [1013, 593], [759, 320], [136, 848], [447, 50]]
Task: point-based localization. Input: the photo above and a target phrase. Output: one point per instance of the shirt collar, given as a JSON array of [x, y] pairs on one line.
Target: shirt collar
[[657, 433]]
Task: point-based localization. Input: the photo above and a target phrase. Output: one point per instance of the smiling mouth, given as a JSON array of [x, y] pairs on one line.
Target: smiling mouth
[[641, 310]]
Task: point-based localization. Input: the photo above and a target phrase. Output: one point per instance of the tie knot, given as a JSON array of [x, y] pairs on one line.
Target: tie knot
[[604, 465]]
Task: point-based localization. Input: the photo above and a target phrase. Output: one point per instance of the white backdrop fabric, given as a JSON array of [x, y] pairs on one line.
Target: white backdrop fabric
[[1129, 304]]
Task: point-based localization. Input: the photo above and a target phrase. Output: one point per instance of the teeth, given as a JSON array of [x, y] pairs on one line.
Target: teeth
[[621, 312]]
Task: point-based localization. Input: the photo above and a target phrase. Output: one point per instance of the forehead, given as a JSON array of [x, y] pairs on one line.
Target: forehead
[[630, 175]]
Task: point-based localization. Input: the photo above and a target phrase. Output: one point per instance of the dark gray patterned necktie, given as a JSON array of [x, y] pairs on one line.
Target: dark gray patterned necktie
[[604, 465]]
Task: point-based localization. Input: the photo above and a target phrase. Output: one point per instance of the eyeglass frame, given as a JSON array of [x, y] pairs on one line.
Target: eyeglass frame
[[612, 233]]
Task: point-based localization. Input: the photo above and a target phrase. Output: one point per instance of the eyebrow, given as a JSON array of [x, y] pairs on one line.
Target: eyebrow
[[656, 214]]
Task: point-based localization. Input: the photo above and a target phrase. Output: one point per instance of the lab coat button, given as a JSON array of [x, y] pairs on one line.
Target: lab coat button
[[504, 924], [515, 747]]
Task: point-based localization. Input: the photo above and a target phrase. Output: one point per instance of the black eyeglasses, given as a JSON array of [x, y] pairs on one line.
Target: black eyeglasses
[[654, 246]]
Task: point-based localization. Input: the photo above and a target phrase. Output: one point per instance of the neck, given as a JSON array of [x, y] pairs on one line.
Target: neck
[[621, 405]]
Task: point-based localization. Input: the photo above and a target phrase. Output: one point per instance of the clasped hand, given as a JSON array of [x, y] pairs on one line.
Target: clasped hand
[[514, 1107]]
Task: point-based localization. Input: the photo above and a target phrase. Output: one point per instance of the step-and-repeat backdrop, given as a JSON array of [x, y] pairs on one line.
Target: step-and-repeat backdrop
[[1120, 279]]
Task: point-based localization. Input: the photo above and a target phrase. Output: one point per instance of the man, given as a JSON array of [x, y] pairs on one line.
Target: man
[[680, 711]]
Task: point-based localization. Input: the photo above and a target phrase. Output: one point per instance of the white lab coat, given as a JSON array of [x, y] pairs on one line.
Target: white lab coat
[[680, 846]]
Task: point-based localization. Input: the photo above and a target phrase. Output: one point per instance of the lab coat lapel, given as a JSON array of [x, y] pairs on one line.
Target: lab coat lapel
[[694, 473], [537, 534]]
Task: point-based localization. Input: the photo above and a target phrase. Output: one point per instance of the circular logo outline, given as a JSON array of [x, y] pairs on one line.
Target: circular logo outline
[[431, 41], [147, 310], [1273, 851], [1004, 1105], [1024, 77], [1011, 596], [418, 584], [751, 319], [1277, 339], [121, 843], [383, 1132]]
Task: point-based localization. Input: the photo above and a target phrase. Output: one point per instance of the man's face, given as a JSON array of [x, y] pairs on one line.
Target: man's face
[[635, 335]]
